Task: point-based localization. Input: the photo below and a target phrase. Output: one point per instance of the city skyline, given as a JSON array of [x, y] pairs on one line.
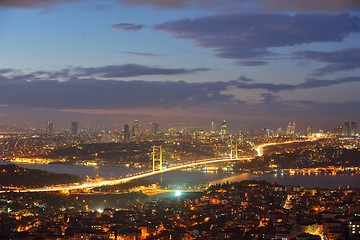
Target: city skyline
[[254, 63]]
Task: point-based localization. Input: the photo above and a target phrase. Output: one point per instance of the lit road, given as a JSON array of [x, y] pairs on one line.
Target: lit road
[[89, 185], [260, 148]]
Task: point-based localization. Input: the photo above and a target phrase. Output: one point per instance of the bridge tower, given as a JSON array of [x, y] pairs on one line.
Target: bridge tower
[[157, 157], [233, 149]]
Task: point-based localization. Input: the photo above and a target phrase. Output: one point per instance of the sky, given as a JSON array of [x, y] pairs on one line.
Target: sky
[[254, 63]]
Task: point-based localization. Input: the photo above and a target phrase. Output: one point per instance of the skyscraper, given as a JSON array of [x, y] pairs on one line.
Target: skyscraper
[[354, 130], [339, 130], [308, 130], [223, 128], [155, 127], [126, 133], [347, 128], [213, 126], [291, 128], [49, 127], [136, 130], [74, 128]]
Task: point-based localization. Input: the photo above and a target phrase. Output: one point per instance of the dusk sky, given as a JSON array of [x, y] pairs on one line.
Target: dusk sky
[[254, 63]]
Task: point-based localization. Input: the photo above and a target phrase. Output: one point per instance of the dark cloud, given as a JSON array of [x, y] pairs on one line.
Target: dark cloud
[[308, 84], [32, 3], [272, 87], [77, 98], [316, 83], [6, 70], [245, 79], [262, 5], [269, 98], [130, 70], [343, 60], [109, 94], [249, 38], [110, 71], [69, 89], [129, 27], [142, 54]]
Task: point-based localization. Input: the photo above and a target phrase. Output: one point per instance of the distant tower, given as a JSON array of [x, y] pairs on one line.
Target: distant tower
[[266, 132], [74, 128], [136, 129], [354, 130], [339, 130], [49, 128], [213, 126], [126, 133], [291, 128], [223, 127], [155, 127], [347, 128], [308, 131]]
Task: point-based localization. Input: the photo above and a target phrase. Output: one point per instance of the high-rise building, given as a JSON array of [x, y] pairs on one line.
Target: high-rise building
[[223, 128], [354, 130], [213, 126], [155, 128], [308, 130], [136, 129], [49, 127], [339, 130], [347, 128], [291, 128], [74, 128], [265, 132], [126, 133]]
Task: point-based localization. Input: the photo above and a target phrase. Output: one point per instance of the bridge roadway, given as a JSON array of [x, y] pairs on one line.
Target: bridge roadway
[[111, 182]]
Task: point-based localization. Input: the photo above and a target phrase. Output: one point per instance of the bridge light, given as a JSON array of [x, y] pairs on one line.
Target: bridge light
[[178, 193]]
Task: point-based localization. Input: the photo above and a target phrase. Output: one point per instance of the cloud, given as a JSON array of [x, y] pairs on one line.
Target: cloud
[[129, 27], [85, 88], [76, 98], [244, 5], [308, 84], [269, 98], [142, 54], [109, 71], [92, 93], [130, 70], [32, 3], [343, 60], [260, 5], [250, 38], [245, 79]]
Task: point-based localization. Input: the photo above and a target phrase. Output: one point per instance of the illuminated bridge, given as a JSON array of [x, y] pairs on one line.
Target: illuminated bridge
[[111, 182], [157, 158]]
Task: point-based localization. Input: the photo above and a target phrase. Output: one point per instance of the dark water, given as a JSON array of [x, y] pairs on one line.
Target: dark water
[[323, 180]]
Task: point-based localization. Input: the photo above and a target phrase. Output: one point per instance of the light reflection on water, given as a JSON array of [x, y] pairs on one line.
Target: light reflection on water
[[320, 180]]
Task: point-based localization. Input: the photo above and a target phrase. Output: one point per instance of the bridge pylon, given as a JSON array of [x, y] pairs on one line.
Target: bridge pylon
[[234, 150], [157, 156]]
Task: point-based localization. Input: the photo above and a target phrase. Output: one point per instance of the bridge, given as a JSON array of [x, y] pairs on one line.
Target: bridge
[[157, 158], [111, 182]]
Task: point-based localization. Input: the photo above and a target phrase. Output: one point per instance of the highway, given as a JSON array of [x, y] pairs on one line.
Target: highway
[[260, 148]]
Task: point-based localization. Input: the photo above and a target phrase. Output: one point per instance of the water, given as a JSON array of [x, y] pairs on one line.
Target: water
[[310, 181], [80, 170], [321, 180]]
